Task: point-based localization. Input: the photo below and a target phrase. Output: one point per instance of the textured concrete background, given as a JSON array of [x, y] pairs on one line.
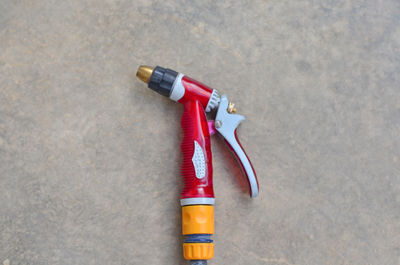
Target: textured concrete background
[[89, 157]]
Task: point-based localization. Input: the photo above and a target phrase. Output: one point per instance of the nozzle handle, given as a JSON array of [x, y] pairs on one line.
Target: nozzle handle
[[197, 158]]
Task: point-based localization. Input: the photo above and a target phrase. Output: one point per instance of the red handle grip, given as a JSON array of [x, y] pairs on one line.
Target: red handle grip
[[196, 149]]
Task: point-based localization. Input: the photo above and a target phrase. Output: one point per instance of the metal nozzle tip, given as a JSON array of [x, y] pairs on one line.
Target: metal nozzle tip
[[144, 72]]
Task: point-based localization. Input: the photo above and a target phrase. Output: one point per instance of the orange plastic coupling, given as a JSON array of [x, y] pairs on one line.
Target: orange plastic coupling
[[198, 251], [197, 219]]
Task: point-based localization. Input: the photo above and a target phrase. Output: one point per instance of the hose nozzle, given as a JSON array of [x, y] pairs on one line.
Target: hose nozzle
[[144, 73], [159, 79]]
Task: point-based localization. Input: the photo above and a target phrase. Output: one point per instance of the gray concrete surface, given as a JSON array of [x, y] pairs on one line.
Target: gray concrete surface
[[89, 157]]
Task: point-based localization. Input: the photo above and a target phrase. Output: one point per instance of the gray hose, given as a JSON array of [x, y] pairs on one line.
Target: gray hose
[[198, 262]]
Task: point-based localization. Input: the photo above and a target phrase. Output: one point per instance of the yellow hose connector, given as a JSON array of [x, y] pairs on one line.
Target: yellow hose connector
[[197, 219], [197, 251]]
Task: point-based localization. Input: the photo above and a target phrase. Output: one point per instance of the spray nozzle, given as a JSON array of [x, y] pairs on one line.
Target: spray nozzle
[[159, 79]]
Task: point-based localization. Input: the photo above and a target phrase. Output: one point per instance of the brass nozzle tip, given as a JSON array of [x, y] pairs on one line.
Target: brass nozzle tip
[[144, 72]]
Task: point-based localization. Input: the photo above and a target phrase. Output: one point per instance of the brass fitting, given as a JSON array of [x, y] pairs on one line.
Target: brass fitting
[[144, 73], [231, 108]]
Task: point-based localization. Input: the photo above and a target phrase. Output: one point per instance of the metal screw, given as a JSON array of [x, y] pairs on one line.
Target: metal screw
[[218, 124]]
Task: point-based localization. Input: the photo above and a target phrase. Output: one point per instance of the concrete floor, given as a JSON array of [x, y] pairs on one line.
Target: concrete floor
[[90, 158]]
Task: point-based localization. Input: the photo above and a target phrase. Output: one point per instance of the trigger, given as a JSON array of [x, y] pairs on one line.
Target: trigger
[[226, 124]]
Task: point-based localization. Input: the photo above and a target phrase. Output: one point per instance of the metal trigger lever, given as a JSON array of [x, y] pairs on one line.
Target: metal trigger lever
[[226, 123]]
